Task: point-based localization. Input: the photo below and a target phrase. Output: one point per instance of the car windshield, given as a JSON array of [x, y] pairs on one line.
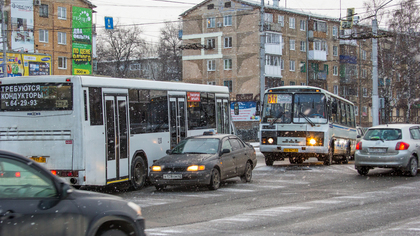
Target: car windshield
[[383, 134], [197, 146]]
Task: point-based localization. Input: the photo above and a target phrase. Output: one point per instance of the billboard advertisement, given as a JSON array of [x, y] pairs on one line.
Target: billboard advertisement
[[24, 64], [82, 41], [22, 19], [244, 111]]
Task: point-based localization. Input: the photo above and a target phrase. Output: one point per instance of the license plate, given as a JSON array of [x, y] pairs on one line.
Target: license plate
[[172, 176], [39, 159], [290, 150], [377, 150]]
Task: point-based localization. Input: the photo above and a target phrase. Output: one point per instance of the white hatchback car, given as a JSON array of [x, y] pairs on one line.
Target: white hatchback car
[[394, 146]]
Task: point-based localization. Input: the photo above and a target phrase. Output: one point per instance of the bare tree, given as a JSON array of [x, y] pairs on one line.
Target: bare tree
[[403, 69], [170, 55], [119, 46]]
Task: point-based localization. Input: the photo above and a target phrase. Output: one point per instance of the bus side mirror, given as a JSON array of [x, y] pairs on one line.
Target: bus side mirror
[[257, 109]]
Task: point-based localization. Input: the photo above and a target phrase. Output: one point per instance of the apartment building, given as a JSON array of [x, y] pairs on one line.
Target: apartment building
[[300, 49], [62, 29]]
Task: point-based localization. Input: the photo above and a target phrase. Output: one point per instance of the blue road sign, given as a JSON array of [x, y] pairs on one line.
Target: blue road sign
[[109, 22]]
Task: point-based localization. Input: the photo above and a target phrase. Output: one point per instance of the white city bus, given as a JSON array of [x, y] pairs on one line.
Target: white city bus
[[97, 131], [299, 122]]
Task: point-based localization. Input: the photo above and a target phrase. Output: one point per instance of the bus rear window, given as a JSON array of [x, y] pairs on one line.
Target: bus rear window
[[36, 97]]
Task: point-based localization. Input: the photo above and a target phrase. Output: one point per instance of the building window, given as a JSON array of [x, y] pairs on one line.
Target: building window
[[271, 60], [302, 84], [62, 13], [292, 65], [364, 73], [43, 36], [335, 70], [211, 82], [211, 43], [292, 83], [365, 92], [364, 111], [227, 20], [228, 4], [43, 10], [281, 64], [356, 110], [228, 83], [211, 65], [62, 63], [61, 38], [292, 44], [363, 55], [210, 6], [228, 42], [291, 22], [272, 38], [135, 67], [228, 64], [336, 89], [334, 30], [303, 46], [281, 21], [302, 25], [268, 17], [335, 51], [211, 22]]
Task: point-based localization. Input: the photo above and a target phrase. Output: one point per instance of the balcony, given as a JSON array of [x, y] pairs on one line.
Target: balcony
[[317, 55], [273, 71], [274, 49]]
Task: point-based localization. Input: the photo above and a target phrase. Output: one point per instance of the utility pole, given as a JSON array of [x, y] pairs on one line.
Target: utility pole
[[262, 54], [375, 98], [4, 39]]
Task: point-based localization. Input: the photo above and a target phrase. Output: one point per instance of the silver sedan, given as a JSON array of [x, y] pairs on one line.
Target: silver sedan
[[394, 146]]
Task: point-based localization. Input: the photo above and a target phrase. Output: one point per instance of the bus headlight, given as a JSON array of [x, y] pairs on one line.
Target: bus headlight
[[270, 140], [312, 141]]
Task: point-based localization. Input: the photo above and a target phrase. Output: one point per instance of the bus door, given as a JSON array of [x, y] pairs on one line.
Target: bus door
[[177, 118], [223, 116], [116, 117]]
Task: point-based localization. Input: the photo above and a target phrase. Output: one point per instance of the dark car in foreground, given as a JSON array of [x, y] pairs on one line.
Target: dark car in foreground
[[33, 201], [394, 146], [204, 160]]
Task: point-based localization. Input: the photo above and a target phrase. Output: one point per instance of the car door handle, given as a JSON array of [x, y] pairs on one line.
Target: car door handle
[[9, 215]]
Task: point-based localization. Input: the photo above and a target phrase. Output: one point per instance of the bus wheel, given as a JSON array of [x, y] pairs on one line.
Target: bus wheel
[[328, 159], [269, 160], [138, 174], [346, 157]]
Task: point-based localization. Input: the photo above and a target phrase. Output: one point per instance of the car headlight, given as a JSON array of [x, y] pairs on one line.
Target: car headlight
[[312, 141], [196, 168], [135, 207], [156, 168]]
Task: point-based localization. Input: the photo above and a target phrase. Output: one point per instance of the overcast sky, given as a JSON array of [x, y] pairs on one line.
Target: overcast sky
[[150, 14]]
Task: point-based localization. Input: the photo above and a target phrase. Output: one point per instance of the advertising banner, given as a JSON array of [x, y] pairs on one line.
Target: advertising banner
[[22, 19], [244, 111], [23, 64], [82, 41]]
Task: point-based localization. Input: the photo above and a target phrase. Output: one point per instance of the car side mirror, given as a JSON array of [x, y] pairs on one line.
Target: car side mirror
[[225, 151], [359, 136]]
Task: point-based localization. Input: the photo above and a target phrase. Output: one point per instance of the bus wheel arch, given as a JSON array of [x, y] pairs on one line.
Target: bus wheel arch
[[139, 170]]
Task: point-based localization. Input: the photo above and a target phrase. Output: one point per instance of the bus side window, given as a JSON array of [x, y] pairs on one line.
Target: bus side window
[[95, 106]]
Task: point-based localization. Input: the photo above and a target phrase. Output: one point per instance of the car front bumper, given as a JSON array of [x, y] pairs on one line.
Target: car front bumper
[[188, 178]]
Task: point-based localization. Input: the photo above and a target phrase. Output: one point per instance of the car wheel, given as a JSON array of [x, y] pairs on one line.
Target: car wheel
[[363, 170], [248, 173], [269, 161], [329, 157], [412, 166], [215, 179], [113, 232], [138, 174], [160, 187]]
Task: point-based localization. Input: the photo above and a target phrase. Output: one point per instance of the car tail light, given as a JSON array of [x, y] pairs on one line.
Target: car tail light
[[17, 174], [402, 146], [359, 146]]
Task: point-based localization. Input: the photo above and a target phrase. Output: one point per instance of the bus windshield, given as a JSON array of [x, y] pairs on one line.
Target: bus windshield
[[309, 108], [299, 108], [36, 97]]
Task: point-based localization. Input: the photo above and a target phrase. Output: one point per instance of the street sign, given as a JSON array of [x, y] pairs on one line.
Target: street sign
[[109, 22]]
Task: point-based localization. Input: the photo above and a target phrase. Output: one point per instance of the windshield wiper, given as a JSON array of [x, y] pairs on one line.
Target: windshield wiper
[[377, 138], [307, 119], [278, 117]]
